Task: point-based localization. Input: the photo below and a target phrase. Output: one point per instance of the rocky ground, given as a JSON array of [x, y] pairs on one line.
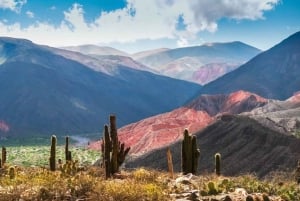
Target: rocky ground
[[186, 189]]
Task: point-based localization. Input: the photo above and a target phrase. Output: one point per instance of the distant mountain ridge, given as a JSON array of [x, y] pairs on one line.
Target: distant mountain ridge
[[274, 73], [95, 50], [43, 92], [195, 63]]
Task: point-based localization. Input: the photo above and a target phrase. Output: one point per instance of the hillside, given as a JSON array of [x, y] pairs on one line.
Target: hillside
[[274, 73], [200, 64], [282, 116], [163, 129], [43, 92], [245, 145]]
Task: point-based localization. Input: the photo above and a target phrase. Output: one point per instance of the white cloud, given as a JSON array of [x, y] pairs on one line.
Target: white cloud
[[139, 20], [30, 14], [14, 5]]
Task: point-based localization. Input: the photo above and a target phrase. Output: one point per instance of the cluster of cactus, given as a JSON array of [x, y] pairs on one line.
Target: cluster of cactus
[[69, 168], [189, 154], [52, 159], [113, 151]]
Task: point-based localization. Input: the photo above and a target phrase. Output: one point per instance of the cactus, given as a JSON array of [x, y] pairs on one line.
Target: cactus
[[107, 149], [212, 190], [68, 156], [218, 164], [265, 197], [11, 173], [297, 173], [189, 154], [52, 160], [113, 151], [249, 198], [114, 143], [3, 156]]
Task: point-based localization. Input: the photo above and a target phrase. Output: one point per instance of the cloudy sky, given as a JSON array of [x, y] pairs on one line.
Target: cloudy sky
[[134, 25]]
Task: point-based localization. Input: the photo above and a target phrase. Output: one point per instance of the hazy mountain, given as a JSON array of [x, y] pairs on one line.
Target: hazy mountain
[[107, 64], [195, 63], [43, 92], [143, 54], [164, 129], [274, 73], [95, 50], [245, 146]]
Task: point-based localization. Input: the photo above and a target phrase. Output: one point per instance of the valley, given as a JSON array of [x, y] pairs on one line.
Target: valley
[[236, 100]]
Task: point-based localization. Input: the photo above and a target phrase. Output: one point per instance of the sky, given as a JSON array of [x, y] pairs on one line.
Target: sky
[[137, 25]]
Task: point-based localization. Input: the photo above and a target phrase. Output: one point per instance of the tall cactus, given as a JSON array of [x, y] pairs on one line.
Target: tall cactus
[[52, 160], [107, 150], [115, 144], [297, 173], [189, 153], [3, 156], [218, 164], [113, 151], [68, 154]]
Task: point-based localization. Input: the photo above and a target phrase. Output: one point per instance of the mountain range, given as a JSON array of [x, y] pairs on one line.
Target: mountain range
[[253, 133], [46, 90], [163, 129], [200, 64], [250, 115], [95, 50], [245, 147], [274, 73]]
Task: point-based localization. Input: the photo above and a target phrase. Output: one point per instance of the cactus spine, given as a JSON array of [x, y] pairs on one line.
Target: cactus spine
[[218, 164], [189, 153], [52, 160], [3, 156], [113, 151], [68, 154]]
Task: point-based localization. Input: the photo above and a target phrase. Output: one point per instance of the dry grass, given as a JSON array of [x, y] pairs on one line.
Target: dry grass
[[41, 184]]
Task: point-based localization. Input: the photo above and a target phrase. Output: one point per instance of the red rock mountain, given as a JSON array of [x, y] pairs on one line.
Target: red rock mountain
[[164, 129]]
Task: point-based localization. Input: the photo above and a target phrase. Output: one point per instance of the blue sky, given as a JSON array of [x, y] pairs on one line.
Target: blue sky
[[135, 25]]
